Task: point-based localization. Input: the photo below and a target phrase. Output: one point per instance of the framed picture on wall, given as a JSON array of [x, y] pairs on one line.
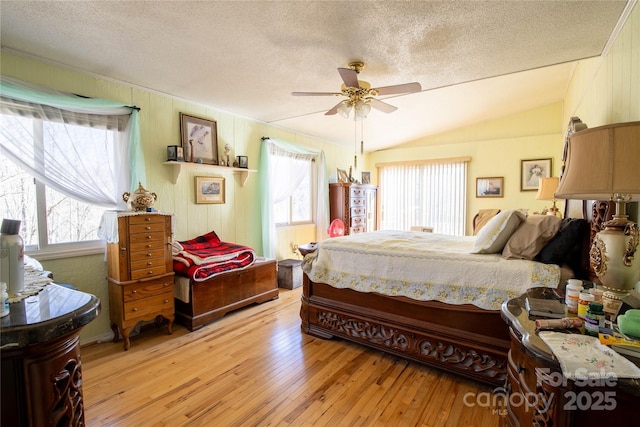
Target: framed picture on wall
[[531, 171], [490, 186], [366, 177], [209, 190], [199, 139], [342, 175]]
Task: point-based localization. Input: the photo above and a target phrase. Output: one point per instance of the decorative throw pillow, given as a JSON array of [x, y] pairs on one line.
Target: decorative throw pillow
[[531, 236], [566, 245], [493, 236]]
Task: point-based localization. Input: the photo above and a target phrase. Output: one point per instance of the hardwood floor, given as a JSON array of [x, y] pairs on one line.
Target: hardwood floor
[[255, 367]]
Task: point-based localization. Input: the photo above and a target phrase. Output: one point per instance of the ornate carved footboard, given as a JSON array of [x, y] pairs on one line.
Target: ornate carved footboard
[[461, 339]]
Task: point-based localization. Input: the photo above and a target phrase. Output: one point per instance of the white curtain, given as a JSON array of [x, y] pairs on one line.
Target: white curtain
[[430, 194], [46, 133], [276, 156], [287, 170]]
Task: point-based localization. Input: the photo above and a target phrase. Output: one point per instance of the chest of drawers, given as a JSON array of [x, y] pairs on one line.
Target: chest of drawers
[[355, 205], [140, 272]]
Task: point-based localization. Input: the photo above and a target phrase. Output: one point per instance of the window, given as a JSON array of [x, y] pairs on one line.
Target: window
[[429, 194], [296, 208], [294, 190], [49, 218], [65, 219]]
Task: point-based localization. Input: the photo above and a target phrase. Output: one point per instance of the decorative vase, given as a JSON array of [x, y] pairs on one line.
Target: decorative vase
[[141, 199]]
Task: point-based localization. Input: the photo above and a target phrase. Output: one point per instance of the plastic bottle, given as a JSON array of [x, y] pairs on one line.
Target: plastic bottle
[[583, 304], [4, 296], [11, 256], [597, 294], [573, 289], [594, 319]]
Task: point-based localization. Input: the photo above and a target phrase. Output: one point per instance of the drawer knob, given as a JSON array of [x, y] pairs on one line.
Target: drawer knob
[[148, 237], [134, 292], [147, 219], [149, 272], [123, 249], [148, 246], [149, 263], [148, 227], [165, 284], [135, 309], [149, 254], [166, 301]]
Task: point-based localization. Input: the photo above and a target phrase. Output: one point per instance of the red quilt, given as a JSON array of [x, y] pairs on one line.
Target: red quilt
[[205, 256]]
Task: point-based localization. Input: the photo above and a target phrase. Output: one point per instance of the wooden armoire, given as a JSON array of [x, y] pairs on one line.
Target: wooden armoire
[[355, 205]]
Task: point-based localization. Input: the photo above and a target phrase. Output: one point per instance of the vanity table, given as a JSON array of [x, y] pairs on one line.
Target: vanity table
[[40, 351], [534, 374]]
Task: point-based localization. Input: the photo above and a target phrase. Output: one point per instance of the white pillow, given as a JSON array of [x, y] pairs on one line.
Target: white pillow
[[493, 236]]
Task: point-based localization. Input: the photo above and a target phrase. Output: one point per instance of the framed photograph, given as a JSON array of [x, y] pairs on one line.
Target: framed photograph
[[366, 177], [172, 153], [243, 162], [531, 171], [490, 186], [209, 189], [342, 176], [199, 139]]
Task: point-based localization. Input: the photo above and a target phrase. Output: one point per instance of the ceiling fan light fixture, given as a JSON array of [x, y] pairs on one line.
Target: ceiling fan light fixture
[[362, 109], [344, 109]]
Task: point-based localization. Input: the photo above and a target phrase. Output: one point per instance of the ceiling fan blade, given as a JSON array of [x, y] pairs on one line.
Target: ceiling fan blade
[[315, 94], [403, 88], [334, 110], [382, 106], [349, 77]]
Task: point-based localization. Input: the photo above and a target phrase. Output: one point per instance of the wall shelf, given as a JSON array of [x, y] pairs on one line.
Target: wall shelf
[[178, 166]]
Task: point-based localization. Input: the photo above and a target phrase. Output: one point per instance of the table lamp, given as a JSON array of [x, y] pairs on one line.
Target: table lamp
[[547, 191], [602, 163]]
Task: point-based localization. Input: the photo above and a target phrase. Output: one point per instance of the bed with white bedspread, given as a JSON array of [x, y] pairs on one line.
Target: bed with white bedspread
[[394, 263]]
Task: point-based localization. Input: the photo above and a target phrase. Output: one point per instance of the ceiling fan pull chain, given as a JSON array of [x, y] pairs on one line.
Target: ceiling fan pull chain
[[362, 137], [355, 144]]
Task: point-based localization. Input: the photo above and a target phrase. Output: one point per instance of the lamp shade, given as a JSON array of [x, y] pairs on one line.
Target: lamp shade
[[602, 161], [344, 109], [547, 188]]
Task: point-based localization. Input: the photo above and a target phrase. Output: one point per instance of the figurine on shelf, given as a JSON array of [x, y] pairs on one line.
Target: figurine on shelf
[[235, 163], [227, 150]]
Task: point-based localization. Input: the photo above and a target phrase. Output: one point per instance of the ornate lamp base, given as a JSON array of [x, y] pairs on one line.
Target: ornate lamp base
[[612, 300]]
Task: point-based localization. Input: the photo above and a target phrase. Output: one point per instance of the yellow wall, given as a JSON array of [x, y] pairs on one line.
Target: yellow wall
[[607, 90], [496, 148]]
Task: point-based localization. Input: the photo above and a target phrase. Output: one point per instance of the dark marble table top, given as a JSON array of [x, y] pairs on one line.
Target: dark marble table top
[[54, 312]]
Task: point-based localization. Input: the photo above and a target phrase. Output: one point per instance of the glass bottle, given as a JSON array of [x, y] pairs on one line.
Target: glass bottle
[[11, 256]]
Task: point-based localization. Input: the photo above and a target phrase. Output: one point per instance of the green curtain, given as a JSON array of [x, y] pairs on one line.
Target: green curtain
[[14, 89]]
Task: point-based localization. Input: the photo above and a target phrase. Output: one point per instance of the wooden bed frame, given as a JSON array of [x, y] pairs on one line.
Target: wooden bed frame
[[213, 298], [461, 339]]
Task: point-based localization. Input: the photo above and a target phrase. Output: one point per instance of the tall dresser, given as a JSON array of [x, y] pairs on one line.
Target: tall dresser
[[355, 205], [140, 270]]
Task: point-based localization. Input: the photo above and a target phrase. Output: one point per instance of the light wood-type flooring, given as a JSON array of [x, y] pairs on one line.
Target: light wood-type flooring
[[255, 367]]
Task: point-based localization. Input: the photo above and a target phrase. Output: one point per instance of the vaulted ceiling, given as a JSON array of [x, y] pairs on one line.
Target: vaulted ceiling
[[475, 60]]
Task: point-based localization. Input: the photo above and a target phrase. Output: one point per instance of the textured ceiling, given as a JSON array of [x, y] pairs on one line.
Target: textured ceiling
[[475, 60]]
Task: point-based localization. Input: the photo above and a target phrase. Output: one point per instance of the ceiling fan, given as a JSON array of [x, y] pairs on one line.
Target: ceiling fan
[[360, 95]]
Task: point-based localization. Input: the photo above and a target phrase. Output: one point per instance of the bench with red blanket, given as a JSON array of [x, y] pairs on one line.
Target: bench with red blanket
[[206, 256]]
